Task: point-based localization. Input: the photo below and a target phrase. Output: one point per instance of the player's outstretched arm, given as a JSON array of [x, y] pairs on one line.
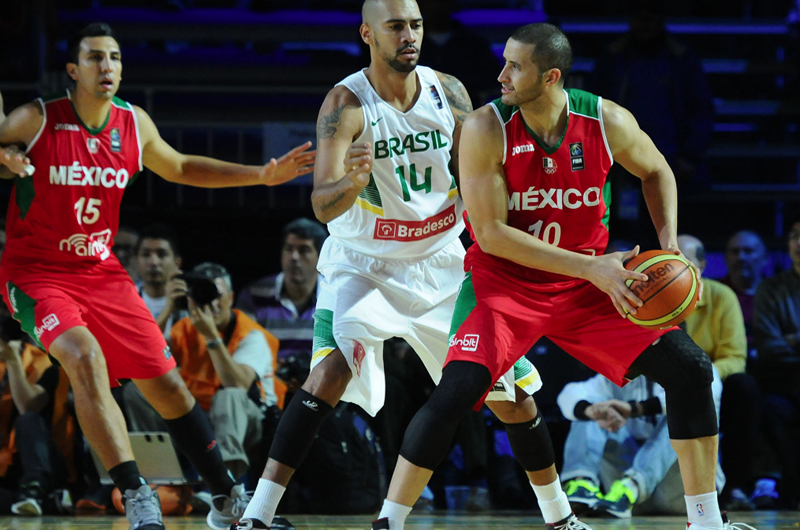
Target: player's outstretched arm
[[17, 131], [483, 187], [633, 148], [343, 167], [204, 172], [461, 107]]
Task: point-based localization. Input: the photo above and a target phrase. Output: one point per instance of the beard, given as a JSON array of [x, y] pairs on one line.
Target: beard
[[517, 99], [399, 65]]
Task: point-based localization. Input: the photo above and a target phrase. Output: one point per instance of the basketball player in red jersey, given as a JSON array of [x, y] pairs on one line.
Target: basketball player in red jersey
[[533, 177], [71, 295]]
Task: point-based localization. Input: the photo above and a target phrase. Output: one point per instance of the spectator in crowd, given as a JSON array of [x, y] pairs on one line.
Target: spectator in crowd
[[619, 439], [746, 257], [158, 263], [37, 429], [226, 360], [125, 243], [284, 303], [717, 326], [776, 326]]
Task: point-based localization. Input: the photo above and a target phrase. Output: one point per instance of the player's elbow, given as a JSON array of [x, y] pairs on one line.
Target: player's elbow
[[487, 237]]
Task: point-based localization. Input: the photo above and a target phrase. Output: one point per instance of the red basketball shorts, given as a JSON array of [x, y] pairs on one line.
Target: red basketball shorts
[[47, 303], [498, 318]]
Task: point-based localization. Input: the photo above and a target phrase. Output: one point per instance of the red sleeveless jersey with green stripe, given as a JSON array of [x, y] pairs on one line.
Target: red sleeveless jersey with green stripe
[[67, 213], [559, 194]]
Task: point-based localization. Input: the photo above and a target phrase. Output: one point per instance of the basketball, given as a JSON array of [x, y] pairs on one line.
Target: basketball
[[670, 293], [174, 499]]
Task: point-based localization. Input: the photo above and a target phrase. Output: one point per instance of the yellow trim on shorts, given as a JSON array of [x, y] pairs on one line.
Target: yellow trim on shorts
[[528, 381], [321, 354], [452, 193], [369, 207]]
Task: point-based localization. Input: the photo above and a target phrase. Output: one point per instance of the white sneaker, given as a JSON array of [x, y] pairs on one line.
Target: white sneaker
[[226, 510]]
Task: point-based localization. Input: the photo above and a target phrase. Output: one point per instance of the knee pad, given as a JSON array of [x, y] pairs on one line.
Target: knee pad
[[685, 372], [531, 443], [297, 429], [430, 433]]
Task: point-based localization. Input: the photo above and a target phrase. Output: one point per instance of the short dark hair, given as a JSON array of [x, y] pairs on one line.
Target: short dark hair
[[95, 29], [305, 228], [551, 48], [212, 271], [160, 231]]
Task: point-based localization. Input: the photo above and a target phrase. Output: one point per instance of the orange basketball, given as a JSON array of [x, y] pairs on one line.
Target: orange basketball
[[670, 292], [174, 499]]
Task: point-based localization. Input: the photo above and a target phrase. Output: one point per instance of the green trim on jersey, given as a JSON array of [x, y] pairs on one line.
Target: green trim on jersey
[[26, 192], [607, 201], [583, 103], [132, 179], [122, 104], [323, 330], [371, 194], [465, 303], [93, 132], [24, 311], [55, 96], [505, 111]]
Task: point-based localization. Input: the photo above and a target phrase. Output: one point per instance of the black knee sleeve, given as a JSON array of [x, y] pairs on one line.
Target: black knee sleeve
[[531, 444], [297, 429], [430, 433], [685, 372]]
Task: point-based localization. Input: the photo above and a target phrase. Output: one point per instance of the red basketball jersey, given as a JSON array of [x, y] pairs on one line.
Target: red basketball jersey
[[68, 211], [558, 194]]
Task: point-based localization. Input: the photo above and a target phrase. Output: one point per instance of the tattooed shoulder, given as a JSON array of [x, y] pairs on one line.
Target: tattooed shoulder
[[456, 94], [329, 123]]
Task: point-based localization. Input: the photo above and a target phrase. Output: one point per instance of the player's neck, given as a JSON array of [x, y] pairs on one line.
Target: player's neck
[[547, 116], [91, 110], [398, 89]]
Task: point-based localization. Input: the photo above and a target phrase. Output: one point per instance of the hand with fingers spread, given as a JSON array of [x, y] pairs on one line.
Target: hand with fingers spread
[[299, 161], [358, 163], [13, 158], [697, 272], [608, 274]]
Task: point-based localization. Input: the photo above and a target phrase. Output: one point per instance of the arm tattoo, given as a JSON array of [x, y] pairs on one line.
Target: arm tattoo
[[325, 206], [329, 123], [457, 97]]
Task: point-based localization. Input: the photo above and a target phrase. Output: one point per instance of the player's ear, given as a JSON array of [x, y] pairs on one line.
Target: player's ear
[[552, 77], [366, 34], [72, 71]]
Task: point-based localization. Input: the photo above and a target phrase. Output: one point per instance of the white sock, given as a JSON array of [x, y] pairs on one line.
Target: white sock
[[552, 501], [396, 513], [265, 501], [703, 510]]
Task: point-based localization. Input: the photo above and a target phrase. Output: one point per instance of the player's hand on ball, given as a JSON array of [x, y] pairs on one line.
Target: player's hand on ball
[[299, 161], [358, 163], [608, 274], [15, 160], [697, 272]]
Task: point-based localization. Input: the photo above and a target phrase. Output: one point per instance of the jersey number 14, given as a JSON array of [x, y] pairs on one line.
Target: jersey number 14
[[413, 180]]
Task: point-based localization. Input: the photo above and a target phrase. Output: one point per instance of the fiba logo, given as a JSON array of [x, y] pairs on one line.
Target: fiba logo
[[386, 229], [468, 343], [95, 244]]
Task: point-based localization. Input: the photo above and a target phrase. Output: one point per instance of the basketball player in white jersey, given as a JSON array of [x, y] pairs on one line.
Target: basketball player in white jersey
[[385, 184]]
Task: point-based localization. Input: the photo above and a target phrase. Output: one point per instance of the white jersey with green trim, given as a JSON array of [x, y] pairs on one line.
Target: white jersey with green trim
[[411, 207]]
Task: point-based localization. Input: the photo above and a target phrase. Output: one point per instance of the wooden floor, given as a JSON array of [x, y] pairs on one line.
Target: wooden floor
[[433, 521]]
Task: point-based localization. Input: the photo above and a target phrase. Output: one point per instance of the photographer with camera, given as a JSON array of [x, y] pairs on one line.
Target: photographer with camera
[[158, 264], [227, 362]]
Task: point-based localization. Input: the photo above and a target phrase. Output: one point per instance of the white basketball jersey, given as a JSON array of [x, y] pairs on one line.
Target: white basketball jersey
[[410, 207]]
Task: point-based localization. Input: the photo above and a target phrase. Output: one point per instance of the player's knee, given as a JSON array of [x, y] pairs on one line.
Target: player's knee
[[514, 412], [675, 362], [531, 443], [328, 380]]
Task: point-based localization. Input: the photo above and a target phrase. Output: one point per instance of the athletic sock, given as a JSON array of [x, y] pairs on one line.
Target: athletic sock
[[552, 501], [264, 503], [126, 476], [703, 510], [194, 437], [396, 513]]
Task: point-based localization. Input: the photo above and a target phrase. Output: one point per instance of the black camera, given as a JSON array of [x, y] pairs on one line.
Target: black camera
[[200, 288], [296, 366]]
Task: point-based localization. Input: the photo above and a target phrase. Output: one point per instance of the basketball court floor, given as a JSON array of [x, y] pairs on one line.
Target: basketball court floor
[[429, 521]]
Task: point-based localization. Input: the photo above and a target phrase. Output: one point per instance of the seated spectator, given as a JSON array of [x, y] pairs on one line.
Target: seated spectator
[[125, 243], [717, 326], [776, 326], [38, 431], [619, 438], [158, 264], [226, 359], [284, 303], [746, 257]]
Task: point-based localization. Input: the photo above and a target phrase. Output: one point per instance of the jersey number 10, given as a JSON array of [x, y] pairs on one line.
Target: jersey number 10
[[551, 235], [425, 185]]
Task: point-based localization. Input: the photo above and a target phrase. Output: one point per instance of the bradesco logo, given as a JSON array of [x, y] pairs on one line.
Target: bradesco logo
[[468, 343], [399, 230]]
